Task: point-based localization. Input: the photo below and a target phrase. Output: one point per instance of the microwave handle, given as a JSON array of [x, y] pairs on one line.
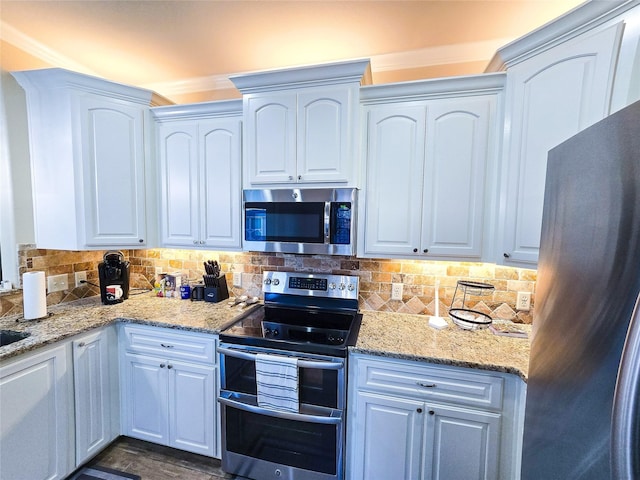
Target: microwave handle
[[281, 414], [317, 364]]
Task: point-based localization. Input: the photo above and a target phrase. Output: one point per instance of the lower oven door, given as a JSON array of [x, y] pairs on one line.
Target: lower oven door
[[267, 444]]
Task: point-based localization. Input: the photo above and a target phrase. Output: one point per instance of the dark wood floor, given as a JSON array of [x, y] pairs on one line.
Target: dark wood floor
[[155, 462]]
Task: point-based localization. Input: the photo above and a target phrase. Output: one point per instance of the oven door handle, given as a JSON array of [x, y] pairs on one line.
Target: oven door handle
[[317, 364], [301, 417]]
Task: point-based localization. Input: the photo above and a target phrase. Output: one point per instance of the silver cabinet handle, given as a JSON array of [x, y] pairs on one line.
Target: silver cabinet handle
[[162, 365], [426, 385], [81, 344]]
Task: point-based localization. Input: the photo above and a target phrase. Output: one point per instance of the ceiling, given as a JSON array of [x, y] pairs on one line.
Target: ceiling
[[186, 49]]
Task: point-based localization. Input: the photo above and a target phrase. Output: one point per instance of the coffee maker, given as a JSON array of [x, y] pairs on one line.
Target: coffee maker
[[114, 278]]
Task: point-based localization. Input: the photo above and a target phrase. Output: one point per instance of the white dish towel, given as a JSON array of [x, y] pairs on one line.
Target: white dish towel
[[277, 382]]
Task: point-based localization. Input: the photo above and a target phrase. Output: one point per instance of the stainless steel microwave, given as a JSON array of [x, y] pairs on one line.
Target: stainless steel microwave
[[300, 220]]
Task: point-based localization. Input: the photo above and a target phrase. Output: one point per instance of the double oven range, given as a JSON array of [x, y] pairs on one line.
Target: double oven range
[[313, 319]]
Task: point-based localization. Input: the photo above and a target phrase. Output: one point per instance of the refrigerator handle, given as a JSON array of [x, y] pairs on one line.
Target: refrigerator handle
[[625, 462]]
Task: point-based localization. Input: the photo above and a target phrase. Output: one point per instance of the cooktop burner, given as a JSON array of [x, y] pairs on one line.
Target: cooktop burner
[[309, 313]]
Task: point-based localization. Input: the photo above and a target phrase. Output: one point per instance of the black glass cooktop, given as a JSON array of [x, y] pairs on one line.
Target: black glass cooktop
[[303, 330]]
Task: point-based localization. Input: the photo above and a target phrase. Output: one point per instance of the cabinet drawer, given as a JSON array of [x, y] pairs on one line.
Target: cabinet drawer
[[170, 343], [430, 383]]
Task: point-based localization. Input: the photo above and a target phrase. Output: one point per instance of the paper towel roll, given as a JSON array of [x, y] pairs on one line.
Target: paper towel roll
[[34, 295]]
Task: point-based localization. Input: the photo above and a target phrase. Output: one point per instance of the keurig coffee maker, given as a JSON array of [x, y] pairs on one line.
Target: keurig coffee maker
[[114, 278]]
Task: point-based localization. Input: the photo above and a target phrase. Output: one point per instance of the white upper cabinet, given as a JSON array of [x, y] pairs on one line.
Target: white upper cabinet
[[88, 156], [395, 170], [427, 164], [560, 80], [200, 166], [271, 142], [301, 124]]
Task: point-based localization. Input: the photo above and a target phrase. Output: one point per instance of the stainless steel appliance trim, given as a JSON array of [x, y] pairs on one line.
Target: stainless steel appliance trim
[[626, 405], [338, 364], [300, 195], [338, 286], [334, 418]]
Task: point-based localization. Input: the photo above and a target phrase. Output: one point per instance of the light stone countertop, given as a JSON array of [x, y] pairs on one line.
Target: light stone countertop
[[72, 318], [410, 337], [382, 333]]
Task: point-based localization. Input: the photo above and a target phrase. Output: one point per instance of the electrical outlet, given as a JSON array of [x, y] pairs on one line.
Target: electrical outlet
[[523, 301], [237, 279], [55, 283], [396, 291], [80, 277]]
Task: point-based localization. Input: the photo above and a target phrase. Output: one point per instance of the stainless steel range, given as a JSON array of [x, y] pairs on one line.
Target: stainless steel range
[[283, 378]]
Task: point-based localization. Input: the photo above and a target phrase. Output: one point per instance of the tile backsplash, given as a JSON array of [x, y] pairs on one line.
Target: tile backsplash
[[419, 277]]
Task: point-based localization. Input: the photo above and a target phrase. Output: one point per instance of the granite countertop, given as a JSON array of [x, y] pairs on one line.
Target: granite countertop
[[410, 337], [382, 333], [72, 318]]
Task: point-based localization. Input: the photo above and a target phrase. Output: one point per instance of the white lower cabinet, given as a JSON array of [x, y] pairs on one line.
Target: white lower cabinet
[[36, 416], [95, 379], [413, 420], [169, 388]]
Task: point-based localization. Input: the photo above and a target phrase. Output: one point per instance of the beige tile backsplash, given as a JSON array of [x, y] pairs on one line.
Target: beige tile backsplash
[[418, 277]]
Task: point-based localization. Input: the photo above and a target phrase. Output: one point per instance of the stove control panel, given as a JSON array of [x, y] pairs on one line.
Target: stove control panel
[[311, 284]]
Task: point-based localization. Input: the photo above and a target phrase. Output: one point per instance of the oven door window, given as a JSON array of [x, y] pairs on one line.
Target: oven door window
[[284, 222], [305, 445], [316, 387]]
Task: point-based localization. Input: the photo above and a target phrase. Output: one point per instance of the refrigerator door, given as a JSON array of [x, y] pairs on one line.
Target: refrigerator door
[[588, 282], [625, 432]]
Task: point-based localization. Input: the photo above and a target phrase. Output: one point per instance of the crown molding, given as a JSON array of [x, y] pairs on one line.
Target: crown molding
[[39, 50], [441, 55], [481, 84], [421, 58], [581, 19]]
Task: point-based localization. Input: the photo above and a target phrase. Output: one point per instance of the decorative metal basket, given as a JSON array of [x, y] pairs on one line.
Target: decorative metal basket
[[467, 318]]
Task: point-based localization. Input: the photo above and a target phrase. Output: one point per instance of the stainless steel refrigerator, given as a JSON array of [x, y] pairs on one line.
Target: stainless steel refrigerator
[[582, 416]]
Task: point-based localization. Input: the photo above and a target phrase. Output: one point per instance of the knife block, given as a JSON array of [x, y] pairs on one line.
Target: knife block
[[217, 294]]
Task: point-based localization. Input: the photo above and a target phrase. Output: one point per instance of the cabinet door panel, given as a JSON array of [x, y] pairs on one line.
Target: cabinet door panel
[[457, 152], [192, 402], [114, 178], [179, 178], [271, 150], [552, 96], [461, 444], [35, 397], [323, 136], [394, 179], [387, 438], [92, 394], [220, 144], [146, 398]]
